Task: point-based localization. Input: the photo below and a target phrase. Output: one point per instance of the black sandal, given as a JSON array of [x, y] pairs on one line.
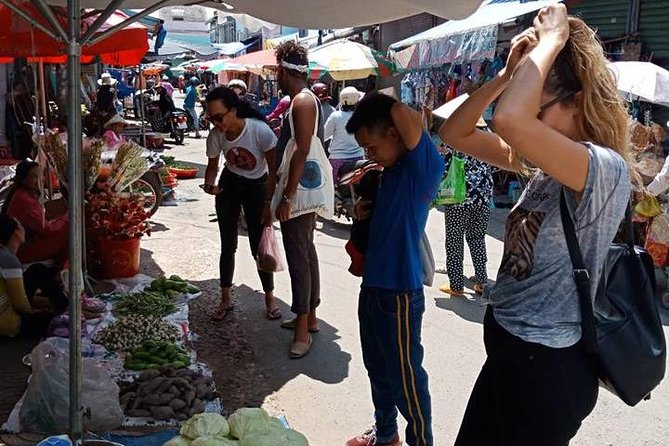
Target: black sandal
[[222, 313]]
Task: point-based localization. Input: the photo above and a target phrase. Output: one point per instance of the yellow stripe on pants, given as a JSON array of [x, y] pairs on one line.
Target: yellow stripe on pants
[[411, 372], [400, 346]]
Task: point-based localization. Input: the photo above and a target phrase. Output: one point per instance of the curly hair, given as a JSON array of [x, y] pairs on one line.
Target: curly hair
[[292, 52]]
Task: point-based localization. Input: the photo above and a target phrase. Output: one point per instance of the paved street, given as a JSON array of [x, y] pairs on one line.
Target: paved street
[[326, 395]]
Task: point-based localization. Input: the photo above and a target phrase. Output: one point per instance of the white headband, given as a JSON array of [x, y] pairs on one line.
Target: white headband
[[299, 68]]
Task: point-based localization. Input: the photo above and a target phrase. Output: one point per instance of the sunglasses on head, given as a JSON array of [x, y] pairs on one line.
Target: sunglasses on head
[[556, 100]]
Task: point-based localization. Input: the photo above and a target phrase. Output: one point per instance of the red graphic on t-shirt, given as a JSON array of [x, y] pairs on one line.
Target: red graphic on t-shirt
[[241, 158]]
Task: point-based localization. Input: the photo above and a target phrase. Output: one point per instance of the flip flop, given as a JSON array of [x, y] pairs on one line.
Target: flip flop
[[274, 314], [448, 290], [222, 314], [299, 349], [291, 323]]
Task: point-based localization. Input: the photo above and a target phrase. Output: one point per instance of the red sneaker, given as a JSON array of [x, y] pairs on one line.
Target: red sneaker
[[368, 438]]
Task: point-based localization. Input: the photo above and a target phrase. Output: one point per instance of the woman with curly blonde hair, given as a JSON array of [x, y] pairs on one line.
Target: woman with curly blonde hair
[[559, 112]]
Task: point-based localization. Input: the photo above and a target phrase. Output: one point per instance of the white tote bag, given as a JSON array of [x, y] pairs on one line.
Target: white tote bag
[[315, 191]]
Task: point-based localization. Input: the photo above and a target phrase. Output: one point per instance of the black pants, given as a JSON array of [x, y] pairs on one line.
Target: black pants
[[236, 193], [528, 394], [468, 221], [298, 242], [47, 280]]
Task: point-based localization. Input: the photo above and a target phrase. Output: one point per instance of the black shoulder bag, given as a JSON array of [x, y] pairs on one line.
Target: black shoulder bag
[[622, 329]]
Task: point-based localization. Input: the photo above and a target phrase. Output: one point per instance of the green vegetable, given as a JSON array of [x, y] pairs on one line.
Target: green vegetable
[[276, 437], [152, 355], [130, 332], [178, 441], [205, 425], [190, 289], [214, 441], [145, 303], [250, 420], [177, 278]]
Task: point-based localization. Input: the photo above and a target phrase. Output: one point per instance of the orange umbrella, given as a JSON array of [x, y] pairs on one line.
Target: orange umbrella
[[19, 39]]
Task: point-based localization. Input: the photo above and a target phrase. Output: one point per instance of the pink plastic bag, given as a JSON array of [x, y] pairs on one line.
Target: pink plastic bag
[[269, 256]]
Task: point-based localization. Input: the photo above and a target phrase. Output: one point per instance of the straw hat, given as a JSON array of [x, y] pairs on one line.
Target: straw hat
[[107, 79], [446, 110], [116, 119]]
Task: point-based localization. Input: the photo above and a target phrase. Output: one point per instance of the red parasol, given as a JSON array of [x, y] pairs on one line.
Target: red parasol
[[19, 39]]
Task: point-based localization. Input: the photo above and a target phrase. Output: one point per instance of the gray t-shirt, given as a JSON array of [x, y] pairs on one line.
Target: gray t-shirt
[[535, 296]]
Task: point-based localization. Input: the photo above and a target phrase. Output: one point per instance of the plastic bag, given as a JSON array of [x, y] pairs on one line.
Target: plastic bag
[[45, 408], [315, 191], [269, 255], [648, 207], [427, 260], [453, 188]]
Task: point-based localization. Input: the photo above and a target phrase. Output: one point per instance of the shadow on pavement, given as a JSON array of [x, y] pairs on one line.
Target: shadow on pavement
[[249, 354], [469, 309], [340, 228]]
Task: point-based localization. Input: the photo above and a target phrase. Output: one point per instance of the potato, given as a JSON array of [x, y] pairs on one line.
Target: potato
[[139, 413], [177, 404], [162, 412], [202, 390]]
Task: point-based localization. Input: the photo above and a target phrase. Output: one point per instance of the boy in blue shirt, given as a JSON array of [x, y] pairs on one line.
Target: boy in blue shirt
[[391, 302]]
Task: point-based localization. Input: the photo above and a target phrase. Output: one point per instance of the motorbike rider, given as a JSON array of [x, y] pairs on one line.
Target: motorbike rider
[[189, 103], [165, 82], [321, 91], [344, 149]]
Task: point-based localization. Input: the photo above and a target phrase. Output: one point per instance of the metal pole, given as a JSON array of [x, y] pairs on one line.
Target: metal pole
[[50, 17], [102, 18], [75, 205], [30, 20], [141, 104], [132, 19], [42, 89]]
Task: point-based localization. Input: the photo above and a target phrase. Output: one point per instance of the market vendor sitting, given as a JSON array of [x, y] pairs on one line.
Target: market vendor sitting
[[113, 135], [18, 316], [46, 239]]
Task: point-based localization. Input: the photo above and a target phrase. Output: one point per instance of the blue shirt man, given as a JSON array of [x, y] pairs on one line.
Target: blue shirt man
[[391, 302]]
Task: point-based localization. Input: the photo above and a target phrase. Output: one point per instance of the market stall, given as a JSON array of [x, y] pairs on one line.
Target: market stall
[[314, 14]]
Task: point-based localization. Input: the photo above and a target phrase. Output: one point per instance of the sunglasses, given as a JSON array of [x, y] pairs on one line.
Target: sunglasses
[[218, 118], [556, 100]]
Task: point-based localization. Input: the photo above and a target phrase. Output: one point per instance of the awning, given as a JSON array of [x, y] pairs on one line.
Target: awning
[[317, 14], [473, 38], [233, 48], [179, 43]]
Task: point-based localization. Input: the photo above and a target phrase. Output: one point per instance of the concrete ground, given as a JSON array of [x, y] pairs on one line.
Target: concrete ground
[[326, 395]]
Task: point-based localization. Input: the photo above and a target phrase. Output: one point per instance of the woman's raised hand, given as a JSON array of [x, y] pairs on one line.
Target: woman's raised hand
[[522, 44], [552, 22]]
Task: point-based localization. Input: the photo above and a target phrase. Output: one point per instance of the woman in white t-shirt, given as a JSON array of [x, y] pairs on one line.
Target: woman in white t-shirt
[[343, 147], [241, 135]]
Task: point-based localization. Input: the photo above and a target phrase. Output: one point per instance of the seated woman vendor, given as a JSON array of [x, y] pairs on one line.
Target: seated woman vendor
[[113, 131], [18, 288], [45, 239]]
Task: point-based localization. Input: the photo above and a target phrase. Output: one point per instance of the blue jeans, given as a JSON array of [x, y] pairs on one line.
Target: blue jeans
[[390, 332]]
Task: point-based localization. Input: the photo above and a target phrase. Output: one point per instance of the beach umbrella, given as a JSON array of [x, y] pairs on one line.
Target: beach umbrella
[[646, 80], [347, 60]]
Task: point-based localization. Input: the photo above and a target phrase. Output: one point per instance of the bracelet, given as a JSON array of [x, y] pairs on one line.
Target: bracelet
[[287, 199]]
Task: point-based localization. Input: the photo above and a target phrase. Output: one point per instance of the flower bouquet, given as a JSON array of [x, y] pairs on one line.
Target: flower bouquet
[[120, 216]]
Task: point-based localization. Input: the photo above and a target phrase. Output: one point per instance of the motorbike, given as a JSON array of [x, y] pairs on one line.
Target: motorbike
[[175, 122], [350, 175]]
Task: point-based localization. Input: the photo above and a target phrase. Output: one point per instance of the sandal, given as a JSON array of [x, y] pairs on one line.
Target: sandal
[[441, 271], [299, 349], [448, 290], [274, 314], [222, 313], [479, 289], [291, 323]]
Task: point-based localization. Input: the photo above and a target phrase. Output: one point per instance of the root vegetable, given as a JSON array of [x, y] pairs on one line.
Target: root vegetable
[[162, 412], [138, 413], [177, 404]]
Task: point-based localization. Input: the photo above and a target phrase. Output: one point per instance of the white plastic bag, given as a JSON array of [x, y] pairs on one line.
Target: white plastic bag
[[46, 405], [269, 257], [315, 191]]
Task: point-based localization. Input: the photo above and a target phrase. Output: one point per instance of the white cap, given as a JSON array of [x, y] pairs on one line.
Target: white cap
[[349, 96], [106, 79], [237, 83], [116, 119]]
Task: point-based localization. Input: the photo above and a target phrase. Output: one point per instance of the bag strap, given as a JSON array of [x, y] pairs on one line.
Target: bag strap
[[581, 277], [290, 113]]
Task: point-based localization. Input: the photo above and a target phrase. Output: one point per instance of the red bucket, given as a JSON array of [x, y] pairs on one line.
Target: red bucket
[[118, 258]]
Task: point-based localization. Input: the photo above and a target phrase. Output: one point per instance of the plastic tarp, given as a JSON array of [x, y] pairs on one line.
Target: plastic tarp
[[317, 14], [233, 48], [474, 38], [19, 39]]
